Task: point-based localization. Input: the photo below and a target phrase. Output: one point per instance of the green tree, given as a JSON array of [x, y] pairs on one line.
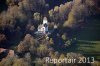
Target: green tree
[[68, 43], [51, 41], [42, 50], [39, 62], [37, 16], [64, 37], [23, 46], [77, 15], [7, 62], [20, 62], [51, 14]]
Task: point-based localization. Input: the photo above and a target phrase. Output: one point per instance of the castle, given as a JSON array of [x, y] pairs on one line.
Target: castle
[[43, 28]]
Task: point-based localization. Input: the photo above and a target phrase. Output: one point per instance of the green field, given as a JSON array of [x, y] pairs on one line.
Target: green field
[[88, 40], [89, 48]]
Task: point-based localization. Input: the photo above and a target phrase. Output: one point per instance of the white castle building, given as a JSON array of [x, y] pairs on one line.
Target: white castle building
[[43, 28]]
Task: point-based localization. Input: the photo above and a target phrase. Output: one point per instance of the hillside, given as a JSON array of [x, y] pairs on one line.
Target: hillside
[[38, 31]]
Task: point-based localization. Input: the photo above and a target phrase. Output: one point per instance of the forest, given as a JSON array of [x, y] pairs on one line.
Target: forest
[[73, 32]]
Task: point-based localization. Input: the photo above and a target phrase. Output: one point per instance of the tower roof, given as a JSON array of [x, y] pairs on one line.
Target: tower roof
[[45, 18]]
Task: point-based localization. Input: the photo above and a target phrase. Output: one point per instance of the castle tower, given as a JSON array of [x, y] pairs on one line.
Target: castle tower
[[45, 21], [43, 28]]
